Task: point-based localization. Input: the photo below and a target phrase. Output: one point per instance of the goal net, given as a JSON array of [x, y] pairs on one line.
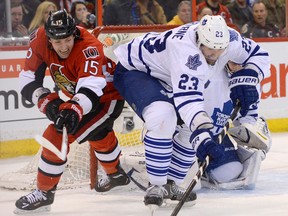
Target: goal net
[[81, 166]]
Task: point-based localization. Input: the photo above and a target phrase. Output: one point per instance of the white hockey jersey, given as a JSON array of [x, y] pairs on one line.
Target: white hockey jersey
[[174, 58]]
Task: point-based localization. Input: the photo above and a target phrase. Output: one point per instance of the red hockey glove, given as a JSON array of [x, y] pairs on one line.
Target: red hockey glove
[[70, 114], [49, 105]]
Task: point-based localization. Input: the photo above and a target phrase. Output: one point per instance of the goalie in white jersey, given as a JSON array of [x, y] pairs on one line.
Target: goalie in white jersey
[[178, 76]]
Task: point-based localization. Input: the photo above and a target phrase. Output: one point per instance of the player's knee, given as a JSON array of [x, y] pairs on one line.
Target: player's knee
[[182, 137], [160, 118], [106, 144]]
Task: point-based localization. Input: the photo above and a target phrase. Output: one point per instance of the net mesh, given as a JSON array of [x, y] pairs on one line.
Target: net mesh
[[77, 169]]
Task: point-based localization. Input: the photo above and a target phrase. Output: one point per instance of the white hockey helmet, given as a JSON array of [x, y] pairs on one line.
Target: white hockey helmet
[[213, 32]]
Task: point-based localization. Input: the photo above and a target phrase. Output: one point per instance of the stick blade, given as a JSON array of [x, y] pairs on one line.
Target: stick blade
[[48, 145]]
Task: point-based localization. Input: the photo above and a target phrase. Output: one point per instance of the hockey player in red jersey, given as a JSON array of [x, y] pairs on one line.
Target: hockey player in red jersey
[[217, 9], [79, 68]]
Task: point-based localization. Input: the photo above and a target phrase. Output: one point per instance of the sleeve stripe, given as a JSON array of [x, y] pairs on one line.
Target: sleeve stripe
[[141, 56], [129, 54], [254, 53], [188, 102], [181, 94]]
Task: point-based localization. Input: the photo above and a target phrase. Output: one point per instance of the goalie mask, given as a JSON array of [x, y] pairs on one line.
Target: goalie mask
[[60, 25], [213, 32]]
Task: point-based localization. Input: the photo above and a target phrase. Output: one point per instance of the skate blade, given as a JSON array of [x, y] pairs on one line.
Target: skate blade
[[152, 208], [38, 210]]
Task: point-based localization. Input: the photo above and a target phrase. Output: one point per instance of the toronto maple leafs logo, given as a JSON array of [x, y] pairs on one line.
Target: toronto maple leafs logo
[[193, 62], [220, 117], [204, 22]]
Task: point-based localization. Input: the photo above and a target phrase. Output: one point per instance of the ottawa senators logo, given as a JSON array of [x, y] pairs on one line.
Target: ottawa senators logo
[[61, 80], [90, 52], [33, 35]]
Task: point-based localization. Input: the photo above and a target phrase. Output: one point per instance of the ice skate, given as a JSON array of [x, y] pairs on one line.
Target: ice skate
[[175, 193], [154, 197], [120, 178], [36, 201]]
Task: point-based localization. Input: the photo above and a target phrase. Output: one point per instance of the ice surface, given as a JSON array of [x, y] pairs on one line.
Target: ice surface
[[269, 198]]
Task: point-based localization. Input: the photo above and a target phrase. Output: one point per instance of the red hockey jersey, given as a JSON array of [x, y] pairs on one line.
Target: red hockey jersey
[[86, 60], [221, 10]]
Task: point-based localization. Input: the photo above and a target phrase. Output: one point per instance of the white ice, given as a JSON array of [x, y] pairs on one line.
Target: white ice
[[270, 196]]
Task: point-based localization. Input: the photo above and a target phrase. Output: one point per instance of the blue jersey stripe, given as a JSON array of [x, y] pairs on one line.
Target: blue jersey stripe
[[129, 54]]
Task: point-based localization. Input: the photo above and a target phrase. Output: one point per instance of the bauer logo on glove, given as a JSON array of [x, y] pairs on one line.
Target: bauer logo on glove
[[243, 80], [243, 88]]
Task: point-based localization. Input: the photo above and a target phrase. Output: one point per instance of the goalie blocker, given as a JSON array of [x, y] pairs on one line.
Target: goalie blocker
[[252, 142]]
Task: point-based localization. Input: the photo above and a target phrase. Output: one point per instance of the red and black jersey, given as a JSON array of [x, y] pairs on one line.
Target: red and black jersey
[[83, 68], [221, 10]]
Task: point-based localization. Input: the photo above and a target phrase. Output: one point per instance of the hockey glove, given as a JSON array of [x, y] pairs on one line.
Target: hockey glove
[[49, 105], [204, 145], [243, 88], [70, 115]]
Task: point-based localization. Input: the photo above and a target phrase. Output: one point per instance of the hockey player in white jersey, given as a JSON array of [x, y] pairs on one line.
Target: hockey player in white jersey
[[178, 76]]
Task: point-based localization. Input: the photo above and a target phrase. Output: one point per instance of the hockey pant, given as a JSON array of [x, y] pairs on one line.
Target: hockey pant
[[96, 127]]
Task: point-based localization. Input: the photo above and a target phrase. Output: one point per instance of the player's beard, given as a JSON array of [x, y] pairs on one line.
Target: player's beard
[[211, 61]]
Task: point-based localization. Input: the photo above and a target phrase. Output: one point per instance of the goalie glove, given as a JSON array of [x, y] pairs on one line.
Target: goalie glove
[[49, 105], [243, 88], [70, 114], [204, 145], [251, 135]]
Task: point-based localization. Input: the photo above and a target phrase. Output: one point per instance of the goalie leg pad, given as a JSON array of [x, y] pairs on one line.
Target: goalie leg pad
[[253, 135], [226, 172], [251, 162], [227, 169]]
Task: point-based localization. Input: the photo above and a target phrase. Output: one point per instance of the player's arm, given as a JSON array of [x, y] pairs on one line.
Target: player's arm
[[89, 89], [32, 76], [248, 54], [245, 83], [189, 102], [188, 88], [32, 89], [91, 80]]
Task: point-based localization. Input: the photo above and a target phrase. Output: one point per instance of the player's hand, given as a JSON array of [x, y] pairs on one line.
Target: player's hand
[[49, 105], [243, 88], [204, 145], [70, 114]]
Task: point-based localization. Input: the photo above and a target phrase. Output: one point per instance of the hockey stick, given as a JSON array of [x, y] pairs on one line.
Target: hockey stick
[[139, 185], [48, 145], [204, 164]]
